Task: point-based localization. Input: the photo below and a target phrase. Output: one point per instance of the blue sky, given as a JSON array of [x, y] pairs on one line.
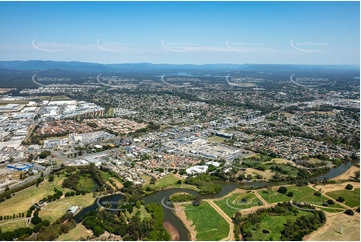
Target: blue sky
[[182, 32]]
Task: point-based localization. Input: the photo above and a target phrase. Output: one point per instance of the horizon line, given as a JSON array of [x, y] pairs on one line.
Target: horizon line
[[152, 63]]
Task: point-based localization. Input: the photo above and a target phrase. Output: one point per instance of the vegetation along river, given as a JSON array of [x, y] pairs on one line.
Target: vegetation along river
[[227, 187]]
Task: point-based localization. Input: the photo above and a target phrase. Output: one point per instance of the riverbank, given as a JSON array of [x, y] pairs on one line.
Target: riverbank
[[179, 212], [173, 232], [348, 174]]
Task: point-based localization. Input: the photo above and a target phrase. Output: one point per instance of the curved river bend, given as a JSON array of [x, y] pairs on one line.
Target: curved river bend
[[227, 187]]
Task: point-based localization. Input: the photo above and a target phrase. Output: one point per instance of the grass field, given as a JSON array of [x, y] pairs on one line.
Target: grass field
[[105, 175], [75, 234], [272, 196], [6, 226], [231, 204], [208, 223], [331, 210], [56, 209], [301, 194], [22, 200], [216, 139], [352, 198], [59, 98], [85, 183], [167, 181], [274, 224]]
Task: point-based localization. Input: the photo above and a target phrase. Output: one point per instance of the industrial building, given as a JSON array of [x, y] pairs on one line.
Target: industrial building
[[21, 166]]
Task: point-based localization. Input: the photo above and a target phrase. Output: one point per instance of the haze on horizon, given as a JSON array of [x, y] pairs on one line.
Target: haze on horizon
[[182, 32]]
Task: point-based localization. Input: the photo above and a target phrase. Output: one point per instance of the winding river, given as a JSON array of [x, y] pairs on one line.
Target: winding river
[[227, 187]]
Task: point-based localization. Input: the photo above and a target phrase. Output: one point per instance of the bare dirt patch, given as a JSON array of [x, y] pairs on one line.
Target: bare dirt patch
[[349, 174], [179, 212], [268, 174], [173, 232], [335, 187], [331, 229]]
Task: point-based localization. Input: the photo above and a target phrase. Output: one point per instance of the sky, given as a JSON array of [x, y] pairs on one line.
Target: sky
[[182, 32]]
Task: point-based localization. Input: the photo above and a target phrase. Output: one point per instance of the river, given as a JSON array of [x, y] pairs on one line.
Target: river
[[227, 187]]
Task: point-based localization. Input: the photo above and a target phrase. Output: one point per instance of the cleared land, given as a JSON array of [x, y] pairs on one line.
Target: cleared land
[[208, 223], [352, 198], [236, 202]]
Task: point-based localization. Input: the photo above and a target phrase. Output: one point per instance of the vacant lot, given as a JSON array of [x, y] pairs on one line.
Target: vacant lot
[[236, 202], [352, 198], [209, 225]]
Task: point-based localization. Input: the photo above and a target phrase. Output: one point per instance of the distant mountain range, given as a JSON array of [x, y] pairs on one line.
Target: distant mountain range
[[37, 65]]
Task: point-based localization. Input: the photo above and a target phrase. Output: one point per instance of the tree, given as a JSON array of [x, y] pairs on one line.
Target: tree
[[290, 194], [349, 212], [197, 201], [179, 182], [330, 201], [349, 187], [282, 190], [35, 220], [340, 199], [30, 158], [318, 194], [51, 178], [153, 180]]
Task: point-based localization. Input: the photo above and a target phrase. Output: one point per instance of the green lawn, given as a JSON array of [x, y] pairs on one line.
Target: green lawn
[[208, 223], [85, 183], [105, 175], [168, 181], [231, 204], [301, 194], [352, 198], [274, 224], [272, 196]]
